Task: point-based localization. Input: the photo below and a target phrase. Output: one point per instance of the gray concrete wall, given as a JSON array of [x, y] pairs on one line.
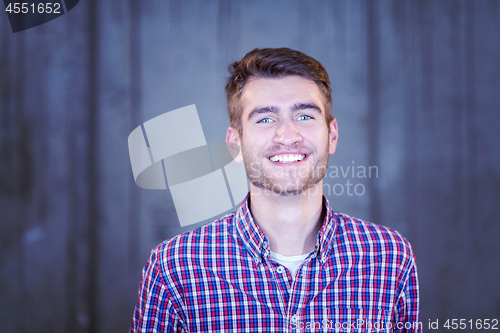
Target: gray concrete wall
[[415, 91]]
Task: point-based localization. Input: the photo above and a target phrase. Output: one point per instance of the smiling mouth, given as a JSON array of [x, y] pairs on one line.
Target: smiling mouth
[[287, 158]]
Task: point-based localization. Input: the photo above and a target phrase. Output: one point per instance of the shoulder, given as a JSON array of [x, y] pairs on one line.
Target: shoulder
[[196, 246], [372, 238]]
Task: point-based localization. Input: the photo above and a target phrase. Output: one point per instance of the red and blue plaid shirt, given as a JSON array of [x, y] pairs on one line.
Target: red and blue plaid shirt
[[361, 277]]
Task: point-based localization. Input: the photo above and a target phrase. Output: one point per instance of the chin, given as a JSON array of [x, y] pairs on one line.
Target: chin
[[285, 189]]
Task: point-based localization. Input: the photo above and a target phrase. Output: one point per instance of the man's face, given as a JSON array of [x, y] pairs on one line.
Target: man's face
[[285, 140]]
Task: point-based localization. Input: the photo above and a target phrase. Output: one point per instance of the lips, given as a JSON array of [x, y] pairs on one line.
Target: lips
[[287, 158]]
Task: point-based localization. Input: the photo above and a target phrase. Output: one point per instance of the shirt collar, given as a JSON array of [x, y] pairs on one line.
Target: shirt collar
[[257, 243]]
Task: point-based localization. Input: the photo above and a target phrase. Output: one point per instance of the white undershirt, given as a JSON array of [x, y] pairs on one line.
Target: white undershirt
[[290, 262]]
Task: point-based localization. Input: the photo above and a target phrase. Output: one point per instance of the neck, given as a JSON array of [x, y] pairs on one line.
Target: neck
[[291, 223]]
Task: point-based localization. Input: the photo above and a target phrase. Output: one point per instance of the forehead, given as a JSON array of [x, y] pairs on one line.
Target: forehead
[[280, 92]]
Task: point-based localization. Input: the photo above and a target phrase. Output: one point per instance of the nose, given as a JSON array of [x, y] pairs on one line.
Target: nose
[[288, 133]]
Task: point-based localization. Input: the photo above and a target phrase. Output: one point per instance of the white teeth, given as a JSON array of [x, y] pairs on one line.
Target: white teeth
[[287, 158]]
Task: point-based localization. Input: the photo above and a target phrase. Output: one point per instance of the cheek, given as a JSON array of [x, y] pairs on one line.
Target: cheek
[[257, 139], [248, 145], [316, 138]]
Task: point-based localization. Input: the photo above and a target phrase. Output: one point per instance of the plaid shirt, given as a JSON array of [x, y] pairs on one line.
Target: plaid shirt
[[361, 277]]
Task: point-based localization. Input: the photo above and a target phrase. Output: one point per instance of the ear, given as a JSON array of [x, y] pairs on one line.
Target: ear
[[234, 144], [334, 135]]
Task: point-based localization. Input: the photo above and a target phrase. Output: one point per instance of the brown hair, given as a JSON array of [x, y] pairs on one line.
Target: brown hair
[[273, 63]]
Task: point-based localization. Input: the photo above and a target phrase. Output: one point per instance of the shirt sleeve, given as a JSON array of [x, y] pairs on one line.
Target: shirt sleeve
[[154, 311], [407, 314]]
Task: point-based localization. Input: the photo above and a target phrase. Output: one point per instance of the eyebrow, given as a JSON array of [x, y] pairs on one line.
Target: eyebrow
[[275, 109], [266, 109], [305, 106]]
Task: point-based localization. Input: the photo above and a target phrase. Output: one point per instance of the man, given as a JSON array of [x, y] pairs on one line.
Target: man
[[285, 261]]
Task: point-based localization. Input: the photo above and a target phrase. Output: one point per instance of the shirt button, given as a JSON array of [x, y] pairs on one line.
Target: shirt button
[[280, 269]]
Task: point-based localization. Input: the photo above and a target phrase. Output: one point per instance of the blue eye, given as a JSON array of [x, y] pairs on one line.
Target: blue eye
[[265, 120], [304, 117]]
